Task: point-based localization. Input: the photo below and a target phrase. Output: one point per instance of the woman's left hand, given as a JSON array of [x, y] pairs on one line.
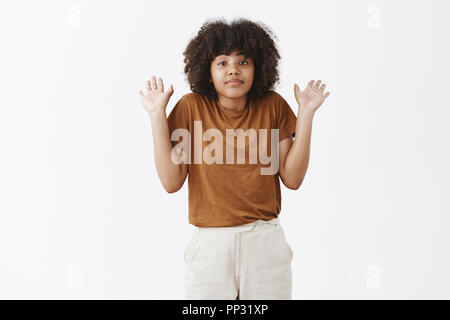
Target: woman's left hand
[[310, 99]]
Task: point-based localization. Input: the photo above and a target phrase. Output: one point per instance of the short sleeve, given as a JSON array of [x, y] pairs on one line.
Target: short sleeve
[[286, 119], [179, 117]]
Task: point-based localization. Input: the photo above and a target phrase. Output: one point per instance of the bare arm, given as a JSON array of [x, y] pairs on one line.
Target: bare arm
[[171, 174], [294, 157]]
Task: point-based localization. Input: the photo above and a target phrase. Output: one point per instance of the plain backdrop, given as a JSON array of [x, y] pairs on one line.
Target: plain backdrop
[[83, 214]]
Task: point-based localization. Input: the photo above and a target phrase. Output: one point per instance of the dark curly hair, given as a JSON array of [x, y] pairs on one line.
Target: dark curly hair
[[216, 37]]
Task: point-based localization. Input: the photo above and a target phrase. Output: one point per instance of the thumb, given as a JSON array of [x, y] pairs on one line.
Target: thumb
[[297, 93], [297, 90]]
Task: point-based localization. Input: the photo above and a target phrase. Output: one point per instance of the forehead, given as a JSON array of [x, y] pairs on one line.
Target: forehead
[[236, 53]]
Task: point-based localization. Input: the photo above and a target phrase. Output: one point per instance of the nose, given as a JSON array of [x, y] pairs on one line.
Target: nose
[[233, 69]]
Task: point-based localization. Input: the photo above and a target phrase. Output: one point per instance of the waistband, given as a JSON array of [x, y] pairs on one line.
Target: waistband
[[244, 227]]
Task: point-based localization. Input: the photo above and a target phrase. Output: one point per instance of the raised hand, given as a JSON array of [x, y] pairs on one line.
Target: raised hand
[[155, 99], [310, 99]]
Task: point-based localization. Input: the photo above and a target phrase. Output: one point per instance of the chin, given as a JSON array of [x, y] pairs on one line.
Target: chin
[[235, 92], [235, 95]]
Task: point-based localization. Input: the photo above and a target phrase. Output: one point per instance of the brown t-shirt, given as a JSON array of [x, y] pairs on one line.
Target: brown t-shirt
[[224, 191]]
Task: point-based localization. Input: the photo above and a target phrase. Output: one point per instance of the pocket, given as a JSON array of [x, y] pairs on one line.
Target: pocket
[[189, 251], [287, 246], [290, 251]]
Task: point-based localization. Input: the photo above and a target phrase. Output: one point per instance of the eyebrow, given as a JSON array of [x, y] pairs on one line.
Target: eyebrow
[[223, 54]]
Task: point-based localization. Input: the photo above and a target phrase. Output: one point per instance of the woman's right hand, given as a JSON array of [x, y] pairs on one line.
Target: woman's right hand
[[155, 99]]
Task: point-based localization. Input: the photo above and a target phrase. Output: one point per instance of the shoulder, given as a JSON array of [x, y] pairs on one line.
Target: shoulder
[[272, 97], [274, 101], [192, 105], [279, 107], [187, 101], [273, 94], [194, 101], [276, 97], [193, 97]]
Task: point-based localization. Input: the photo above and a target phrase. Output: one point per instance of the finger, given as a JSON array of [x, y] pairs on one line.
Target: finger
[[296, 87], [326, 94], [316, 85], [154, 87], [149, 88], [322, 87], [141, 93], [310, 83], [160, 84]]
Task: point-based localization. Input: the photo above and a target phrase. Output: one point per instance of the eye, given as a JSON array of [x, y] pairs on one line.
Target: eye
[[224, 62]]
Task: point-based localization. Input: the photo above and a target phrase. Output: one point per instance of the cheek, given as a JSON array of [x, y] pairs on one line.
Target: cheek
[[250, 72], [216, 75], [251, 76]]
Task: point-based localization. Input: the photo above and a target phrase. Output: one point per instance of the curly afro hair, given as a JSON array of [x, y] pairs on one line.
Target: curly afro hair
[[216, 37]]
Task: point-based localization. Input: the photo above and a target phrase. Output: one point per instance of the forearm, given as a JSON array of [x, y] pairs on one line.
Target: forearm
[[168, 171], [297, 159]]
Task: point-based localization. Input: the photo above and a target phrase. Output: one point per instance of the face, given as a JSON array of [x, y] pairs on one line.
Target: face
[[235, 66]]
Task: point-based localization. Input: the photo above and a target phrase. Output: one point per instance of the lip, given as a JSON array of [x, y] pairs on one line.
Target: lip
[[235, 82]]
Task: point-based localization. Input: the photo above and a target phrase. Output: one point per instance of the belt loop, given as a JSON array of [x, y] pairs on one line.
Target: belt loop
[[257, 223]]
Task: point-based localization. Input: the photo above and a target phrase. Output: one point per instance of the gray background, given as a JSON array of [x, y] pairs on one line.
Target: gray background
[[84, 215]]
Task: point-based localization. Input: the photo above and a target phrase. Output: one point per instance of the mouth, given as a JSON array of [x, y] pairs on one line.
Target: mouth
[[235, 82]]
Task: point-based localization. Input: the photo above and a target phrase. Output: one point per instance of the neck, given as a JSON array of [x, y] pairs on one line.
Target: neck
[[235, 104]]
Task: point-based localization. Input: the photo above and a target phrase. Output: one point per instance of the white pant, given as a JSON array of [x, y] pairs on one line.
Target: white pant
[[247, 262]]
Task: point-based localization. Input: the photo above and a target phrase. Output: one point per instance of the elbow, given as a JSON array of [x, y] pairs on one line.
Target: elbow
[[295, 185], [173, 185], [171, 188]]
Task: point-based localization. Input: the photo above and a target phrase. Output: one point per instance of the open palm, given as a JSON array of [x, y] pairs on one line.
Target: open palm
[[312, 97], [155, 99]]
